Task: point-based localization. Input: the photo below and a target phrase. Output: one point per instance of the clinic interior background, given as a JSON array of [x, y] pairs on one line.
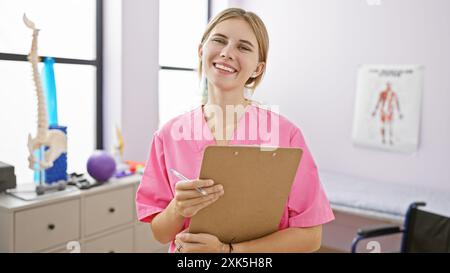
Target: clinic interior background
[[316, 47], [315, 50]]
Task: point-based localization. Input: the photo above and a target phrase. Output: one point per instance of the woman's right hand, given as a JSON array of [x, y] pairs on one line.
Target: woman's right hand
[[188, 201]]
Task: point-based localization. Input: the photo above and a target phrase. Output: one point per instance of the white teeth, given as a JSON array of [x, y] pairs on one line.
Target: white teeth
[[224, 68]]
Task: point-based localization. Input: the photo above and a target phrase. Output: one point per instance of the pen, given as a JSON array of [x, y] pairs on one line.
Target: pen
[[180, 176]]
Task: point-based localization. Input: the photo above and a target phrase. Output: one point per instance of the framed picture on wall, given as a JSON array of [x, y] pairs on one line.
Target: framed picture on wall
[[388, 107]]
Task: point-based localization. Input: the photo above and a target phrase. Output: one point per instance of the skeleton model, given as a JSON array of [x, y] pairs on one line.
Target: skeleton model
[[55, 140]]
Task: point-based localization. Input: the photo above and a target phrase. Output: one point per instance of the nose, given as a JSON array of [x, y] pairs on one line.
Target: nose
[[227, 53]]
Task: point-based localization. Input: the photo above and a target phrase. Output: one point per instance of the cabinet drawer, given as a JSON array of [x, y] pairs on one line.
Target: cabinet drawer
[[47, 226], [119, 242], [106, 210]]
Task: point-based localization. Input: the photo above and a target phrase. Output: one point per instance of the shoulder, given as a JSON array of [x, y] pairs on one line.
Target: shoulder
[[286, 126]]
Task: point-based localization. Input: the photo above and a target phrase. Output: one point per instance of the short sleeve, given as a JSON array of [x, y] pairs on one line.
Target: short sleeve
[[308, 204], [154, 192]]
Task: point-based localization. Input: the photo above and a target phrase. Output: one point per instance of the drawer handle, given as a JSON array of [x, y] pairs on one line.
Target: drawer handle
[[51, 226], [112, 210]]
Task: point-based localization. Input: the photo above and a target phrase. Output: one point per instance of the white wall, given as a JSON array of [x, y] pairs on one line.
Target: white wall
[[139, 76], [315, 49], [112, 70], [131, 74]]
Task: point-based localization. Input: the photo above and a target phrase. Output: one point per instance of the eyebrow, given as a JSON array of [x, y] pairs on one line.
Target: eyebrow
[[242, 41]]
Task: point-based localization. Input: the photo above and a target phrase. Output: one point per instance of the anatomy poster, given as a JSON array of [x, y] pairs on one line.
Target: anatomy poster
[[388, 107]]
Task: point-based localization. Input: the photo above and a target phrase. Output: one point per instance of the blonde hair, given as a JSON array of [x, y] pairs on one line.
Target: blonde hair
[[262, 37]]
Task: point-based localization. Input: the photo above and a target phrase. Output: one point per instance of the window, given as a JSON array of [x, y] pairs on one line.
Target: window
[[70, 32], [181, 25]]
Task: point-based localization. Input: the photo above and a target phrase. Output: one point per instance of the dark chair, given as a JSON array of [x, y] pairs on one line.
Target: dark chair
[[422, 232]]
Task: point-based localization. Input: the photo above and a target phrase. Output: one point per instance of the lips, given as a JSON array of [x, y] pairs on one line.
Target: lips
[[225, 67]]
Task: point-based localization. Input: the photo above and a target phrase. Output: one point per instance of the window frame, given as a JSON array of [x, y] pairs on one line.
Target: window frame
[[179, 68]]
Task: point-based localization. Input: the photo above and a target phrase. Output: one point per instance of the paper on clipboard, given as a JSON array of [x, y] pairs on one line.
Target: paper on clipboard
[[256, 183]]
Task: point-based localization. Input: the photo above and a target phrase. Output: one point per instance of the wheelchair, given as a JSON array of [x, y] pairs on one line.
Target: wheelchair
[[423, 232]]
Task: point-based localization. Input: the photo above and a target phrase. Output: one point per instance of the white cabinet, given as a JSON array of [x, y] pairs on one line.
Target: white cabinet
[[121, 241], [45, 226], [107, 210], [101, 219]]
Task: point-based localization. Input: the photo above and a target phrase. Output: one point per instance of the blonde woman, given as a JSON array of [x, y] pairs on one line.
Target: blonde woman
[[232, 58]]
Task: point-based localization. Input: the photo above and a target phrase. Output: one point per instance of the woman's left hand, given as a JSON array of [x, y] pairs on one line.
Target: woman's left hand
[[199, 243]]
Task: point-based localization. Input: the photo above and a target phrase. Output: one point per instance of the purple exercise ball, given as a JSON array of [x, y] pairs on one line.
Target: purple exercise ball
[[101, 166]]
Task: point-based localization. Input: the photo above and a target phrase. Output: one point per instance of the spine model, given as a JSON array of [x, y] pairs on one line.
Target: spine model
[[55, 140]]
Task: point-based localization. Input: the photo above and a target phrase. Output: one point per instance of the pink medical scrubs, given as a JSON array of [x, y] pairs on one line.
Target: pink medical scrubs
[[180, 143]]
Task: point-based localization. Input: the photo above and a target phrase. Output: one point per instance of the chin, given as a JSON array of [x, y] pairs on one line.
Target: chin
[[225, 88], [220, 84]]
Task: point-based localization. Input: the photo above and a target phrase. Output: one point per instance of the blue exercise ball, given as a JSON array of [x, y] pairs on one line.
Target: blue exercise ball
[[101, 166]]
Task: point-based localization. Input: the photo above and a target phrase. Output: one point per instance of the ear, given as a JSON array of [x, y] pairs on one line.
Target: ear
[[200, 50], [259, 69]]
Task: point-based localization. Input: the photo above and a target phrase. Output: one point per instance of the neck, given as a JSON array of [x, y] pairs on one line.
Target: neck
[[222, 98], [223, 110]]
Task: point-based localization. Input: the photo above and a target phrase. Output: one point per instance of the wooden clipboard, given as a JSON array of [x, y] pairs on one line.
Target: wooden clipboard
[[256, 182]]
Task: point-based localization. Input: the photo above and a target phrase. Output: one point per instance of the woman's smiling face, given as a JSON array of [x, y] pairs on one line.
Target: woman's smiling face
[[230, 55]]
